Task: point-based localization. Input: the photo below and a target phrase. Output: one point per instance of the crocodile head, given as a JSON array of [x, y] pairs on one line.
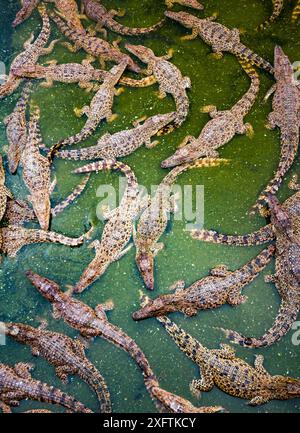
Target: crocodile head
[[284, 387], [143, 53], [29, 71], [192, 4], [49, 289], [20, 332], [283, 68], [184, 18], [145, 263], [279, 216], [42, 208]]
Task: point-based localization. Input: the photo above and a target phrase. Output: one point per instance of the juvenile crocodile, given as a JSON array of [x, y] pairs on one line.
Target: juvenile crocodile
[[100, 108], [154, 219], [16, 384], [16, 129], [4, 191], [13, 238], [221, 287], [30, 55], [277, 9], [25, 12], [221, 128], [284, 228], [221, 367], [104, 18], [119, 227], [189, 3], [66, 354], [36, 172], [286, 116], [219, 37], [296, 12], [122, 143], [83, 73], [94, 46], [168, 76]]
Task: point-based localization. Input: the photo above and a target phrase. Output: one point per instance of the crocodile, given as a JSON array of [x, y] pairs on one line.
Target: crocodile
[[286, 116], [4, 191], [36, 172], [221, 128], [16, 384], [83, 73], [233, 375], [188, 3], [30, 55], [222, 286], [104, 18], [66, 354], [168, 76], [122, 143], [13, 238], [16, 129], [19, 212], [284, 228], [28, 6], [277, 9], [94, 46], [154, 219], [296, 12], [221, 38], [100, 108], [119, 227]]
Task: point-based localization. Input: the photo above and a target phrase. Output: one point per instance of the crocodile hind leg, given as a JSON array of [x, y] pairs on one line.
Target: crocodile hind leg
[[62, 373], [235, 297], [47, 84], [143, 82], [50, 48], [72, 48], [190, 37], [258, 364], [296, 12], [206, 383]]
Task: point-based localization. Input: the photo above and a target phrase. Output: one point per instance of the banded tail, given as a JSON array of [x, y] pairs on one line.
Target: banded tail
[[286, 316], [25, 12], [143, 82], [240, 50], [44, 35], [296, 12], [132, 31], [96, 381], [277, 9], [71, 198], [9, 86], [250, 270], [245, 104]]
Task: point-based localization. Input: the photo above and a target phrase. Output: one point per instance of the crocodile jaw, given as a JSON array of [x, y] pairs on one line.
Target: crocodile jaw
[[157, 307]]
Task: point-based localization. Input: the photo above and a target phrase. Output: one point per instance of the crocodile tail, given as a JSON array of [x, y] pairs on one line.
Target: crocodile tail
[[296, 12], [71, 198], [182, 109], [189, 345], [277, 8], [25, 12], [143, 82], [244, 105], [24, 98], [286, 316], [46, 29], [71, 33], [74, 139], [244, 52], [96, 381], [248, 272], [9, 86], [132, 31]]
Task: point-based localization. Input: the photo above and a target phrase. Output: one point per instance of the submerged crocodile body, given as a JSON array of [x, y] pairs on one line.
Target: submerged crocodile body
[[100, 108], [92, 45], [30, 55], [284, 228], [296, 12], [222, 286], [16, 384], [4, 191], [122, 143], [277, 9], [16, 129], [168, 76], [67, 356], [97, 12], [221, 367], [219, 37], [119, 227], [286, 116], [220, 129], [154, 219], [189, 3]]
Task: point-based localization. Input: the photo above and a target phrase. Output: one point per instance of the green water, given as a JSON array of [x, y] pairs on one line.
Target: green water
[[229, 193]]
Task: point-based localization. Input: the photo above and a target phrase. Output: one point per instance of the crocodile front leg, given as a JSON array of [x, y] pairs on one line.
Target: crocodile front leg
[[190, 37], [206, 383]]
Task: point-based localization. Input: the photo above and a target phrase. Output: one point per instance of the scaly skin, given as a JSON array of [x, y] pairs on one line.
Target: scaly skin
[[277, 9], [68, 73], [25, 12], [97, 12], [220, 129], [94, 46], [16, 129], [219, 37], [296, 12], [13, 238], [221, 367], [221, 287], [30, 55], [188, 3], [122, 143], [118, 229], [284, 228], [100, 108], [154, 219], [19, 211], [16, 384], [286, 116], [4, 191], [67, 356], [36, 172], [168, 77]]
